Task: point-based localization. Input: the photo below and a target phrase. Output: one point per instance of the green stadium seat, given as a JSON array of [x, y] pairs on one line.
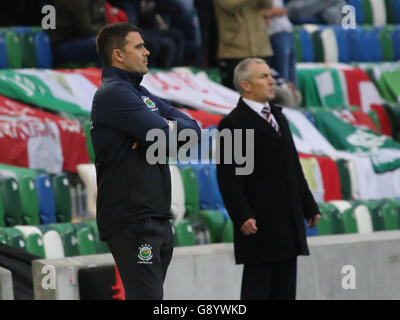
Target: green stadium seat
[[336, 216], [367, 9], [386, 42], [28, 50], [227, 234], [391, 216], [319, 54], [184, 234], [191, 193], [15, 238], [348, 216], [62, 197], [85, 237], [101, 246], [2, 220], [29, 201], [325, 224], [12, 202], [297, 44], [390, 16], [33, 239], [3, 236], [13, 45], [68, 237], [215, 223], [344, 176], [375, 209]]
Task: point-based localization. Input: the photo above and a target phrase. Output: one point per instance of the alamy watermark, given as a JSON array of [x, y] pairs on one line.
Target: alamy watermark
[[49, 20], [231, 147], [349, 280], [349, 19]]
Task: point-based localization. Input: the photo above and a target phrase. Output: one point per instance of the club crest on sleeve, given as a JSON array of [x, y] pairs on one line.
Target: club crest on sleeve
[[148, 102]]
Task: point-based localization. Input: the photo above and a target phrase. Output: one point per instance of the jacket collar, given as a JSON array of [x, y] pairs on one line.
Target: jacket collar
[[260, 124], [110, 72]]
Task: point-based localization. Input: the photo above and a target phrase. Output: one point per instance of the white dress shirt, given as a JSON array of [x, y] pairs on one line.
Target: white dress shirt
[[258, 106]]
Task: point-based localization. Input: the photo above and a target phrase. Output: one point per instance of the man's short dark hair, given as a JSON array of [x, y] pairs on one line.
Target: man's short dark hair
[[110, 37]]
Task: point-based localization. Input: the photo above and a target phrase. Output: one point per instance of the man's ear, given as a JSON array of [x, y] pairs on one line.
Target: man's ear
[[117, 55], [245, 86]]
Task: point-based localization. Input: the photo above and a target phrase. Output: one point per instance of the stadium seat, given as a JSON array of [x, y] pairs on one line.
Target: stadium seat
[[3, 236], [310, 231], [325, 225], [337, 218], [177, 194], [53, 245], [363, 218], [342, 44], [33, 239], [215, 222], [297, 44], [345, 181], [375, 210], [15, 238], [43, 50], [356, 46], [227, 233], [330, 45], [191, 193], [184, 234], [391, 216], [319, 53], [214, 184], [378, 13], [207, 197], [3, 53], [390, 14], [386, 40], [12, 201], [68, 237], [396, 43], [28, 50], [87, 172], [13, 46], [367, 9], [29, 200], [47, 206], [85, 237], [2, 220], [306, 46], [357, 4], [375, 45], [101, 246], [89, 146], [62, 197], [348, 217], [396, 5]]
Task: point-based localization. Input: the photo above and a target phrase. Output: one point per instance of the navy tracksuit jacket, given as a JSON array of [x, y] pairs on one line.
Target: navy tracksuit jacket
[[129, 188]]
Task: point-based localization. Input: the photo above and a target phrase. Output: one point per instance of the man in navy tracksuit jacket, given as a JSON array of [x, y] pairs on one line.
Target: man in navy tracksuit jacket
[[134, 196]]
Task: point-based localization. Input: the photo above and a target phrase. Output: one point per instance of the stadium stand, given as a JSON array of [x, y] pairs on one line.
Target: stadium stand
[[347, 132]]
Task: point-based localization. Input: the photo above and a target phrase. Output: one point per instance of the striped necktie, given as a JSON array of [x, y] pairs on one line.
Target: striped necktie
[[268, 116]]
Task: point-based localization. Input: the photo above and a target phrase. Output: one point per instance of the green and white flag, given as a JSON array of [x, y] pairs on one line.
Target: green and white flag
[[383, 152], [71, 93]]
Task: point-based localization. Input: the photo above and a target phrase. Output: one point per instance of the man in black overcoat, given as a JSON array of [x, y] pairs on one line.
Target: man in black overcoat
[[267, 206]]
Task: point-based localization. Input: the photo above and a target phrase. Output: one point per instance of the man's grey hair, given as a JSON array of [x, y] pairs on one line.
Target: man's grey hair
[[242, 72]]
